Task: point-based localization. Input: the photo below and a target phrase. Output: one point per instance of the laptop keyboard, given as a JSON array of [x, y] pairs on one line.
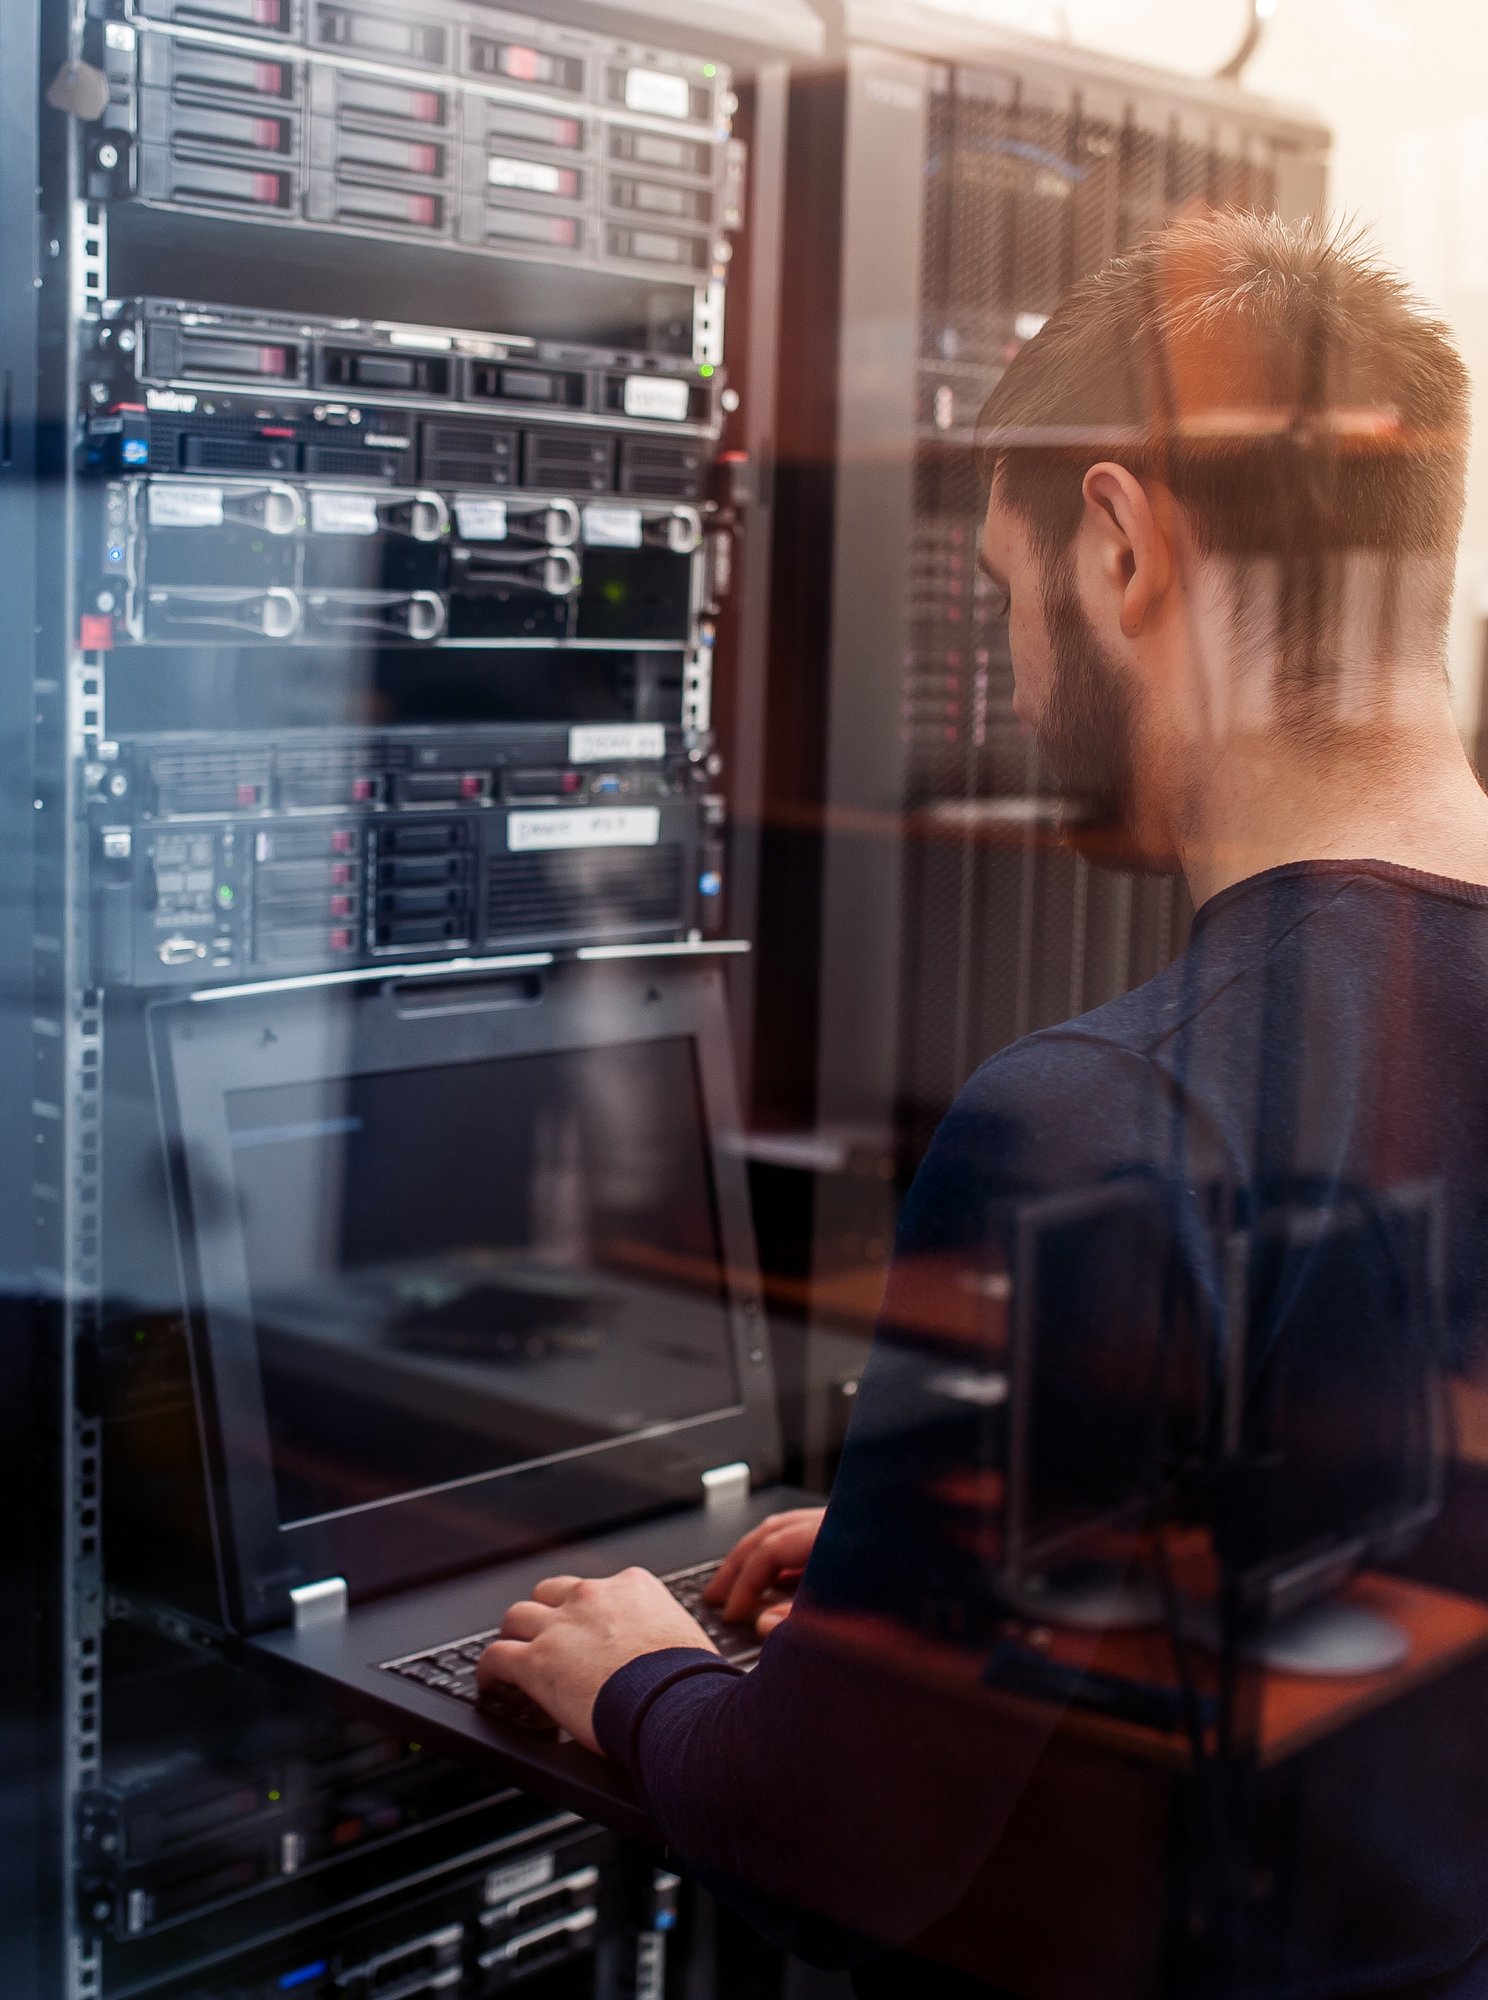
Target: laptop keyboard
[[450, 1667]]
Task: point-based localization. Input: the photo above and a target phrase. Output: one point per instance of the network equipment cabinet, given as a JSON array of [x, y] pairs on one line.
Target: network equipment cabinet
[[382, 382], [948, 183]]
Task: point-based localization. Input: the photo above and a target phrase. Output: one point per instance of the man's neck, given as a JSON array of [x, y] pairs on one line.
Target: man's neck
[[1407, 798]]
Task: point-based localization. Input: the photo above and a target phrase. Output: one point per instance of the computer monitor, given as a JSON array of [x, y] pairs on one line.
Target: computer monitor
[[471, 1264], [1101, 1366], [1334, 1416]]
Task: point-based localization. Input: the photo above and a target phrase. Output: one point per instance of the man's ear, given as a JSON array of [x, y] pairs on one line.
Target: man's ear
[[1132, 544]]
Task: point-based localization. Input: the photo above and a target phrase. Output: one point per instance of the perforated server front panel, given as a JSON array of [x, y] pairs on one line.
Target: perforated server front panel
[[1029, 184]]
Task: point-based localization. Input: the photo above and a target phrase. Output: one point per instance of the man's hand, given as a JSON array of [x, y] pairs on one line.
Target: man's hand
[[561, 1645], [760, 1563]]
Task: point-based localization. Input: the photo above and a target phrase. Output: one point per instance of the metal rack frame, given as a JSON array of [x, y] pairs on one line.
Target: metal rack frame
[[53, 277]]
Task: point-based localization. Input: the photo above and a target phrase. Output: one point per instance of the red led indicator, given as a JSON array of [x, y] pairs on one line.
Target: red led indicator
[[567, 132], [470, 786], [342, 840], [341, 941], [268, 79], [266, 189], [95, 633], [340, 874], [422, 209], [427, 107], [268, 13], [523, 64], [340, 906], [362, 790], [247, 795], [276, 431], [423, 159], [273, 360], [572, 781], [268, 133], [565, 232]]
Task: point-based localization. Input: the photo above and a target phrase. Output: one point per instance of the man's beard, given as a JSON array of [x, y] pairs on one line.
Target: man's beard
[[1087, 736]]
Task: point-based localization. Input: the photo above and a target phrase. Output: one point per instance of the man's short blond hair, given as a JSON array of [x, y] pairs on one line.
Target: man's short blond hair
[[1286, 386]]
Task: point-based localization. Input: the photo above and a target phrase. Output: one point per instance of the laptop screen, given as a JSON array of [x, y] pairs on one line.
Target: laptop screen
[[478, 1268]]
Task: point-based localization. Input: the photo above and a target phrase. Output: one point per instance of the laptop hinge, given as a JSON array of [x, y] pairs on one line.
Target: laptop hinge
[[319, 1603], [726, 1485]]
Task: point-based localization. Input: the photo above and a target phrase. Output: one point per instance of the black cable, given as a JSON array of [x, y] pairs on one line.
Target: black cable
[[1188, 1693], [1232, 70], [1213, 1877]]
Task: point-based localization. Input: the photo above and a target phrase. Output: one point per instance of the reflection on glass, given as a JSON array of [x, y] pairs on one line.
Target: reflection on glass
[[562, 1289]]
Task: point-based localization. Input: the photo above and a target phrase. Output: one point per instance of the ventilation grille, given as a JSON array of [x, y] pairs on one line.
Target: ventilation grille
[[660, 471], [208, 780], [349, 462], [315, 763], [233, 454], [468, 455], [584, 894], [576, 460]]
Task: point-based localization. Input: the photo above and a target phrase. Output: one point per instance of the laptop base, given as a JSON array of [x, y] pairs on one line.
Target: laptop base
[[341, 1657]]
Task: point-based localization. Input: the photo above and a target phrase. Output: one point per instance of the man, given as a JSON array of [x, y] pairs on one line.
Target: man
[[1227, 484]]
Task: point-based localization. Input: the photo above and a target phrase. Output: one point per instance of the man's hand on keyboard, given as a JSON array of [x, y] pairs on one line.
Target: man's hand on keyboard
[[561, 1645], [763, 1564]]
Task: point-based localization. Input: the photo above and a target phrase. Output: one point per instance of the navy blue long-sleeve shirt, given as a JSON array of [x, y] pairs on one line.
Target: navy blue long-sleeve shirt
[[1320, 1045]]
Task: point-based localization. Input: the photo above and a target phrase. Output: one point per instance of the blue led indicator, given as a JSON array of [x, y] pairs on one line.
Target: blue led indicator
[[666, 1920], [116, 555], [303, 1975], [710, 884], [136, 451]]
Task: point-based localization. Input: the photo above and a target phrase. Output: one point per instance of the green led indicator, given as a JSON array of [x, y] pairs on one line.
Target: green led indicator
[[225, 896], [706, 369], [710, 69], [275, 1797]]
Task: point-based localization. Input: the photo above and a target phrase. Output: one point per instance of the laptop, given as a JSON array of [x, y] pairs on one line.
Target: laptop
[[474, 1299]]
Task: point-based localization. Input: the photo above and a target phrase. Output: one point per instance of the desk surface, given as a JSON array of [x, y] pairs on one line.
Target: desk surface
[[1295, 1709]]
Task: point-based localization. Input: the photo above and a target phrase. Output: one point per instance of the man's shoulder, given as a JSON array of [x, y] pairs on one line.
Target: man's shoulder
[[1057, 1109], [1126, 1047], [1060, 1067]]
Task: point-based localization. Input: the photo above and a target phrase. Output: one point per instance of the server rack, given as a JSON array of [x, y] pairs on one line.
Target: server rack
[[402, 337], [949, 182]]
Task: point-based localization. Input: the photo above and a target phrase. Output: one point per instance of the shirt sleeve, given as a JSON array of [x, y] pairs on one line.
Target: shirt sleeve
[[854, 1784]]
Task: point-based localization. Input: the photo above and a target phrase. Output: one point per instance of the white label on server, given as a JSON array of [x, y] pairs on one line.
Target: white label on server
[[621, 826], [616, 742], [529, 174], [343, 514], [185, 506], [612, 527], [504, 1883], [174, 401], [657, 91], [651, 396], [481, 520]]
